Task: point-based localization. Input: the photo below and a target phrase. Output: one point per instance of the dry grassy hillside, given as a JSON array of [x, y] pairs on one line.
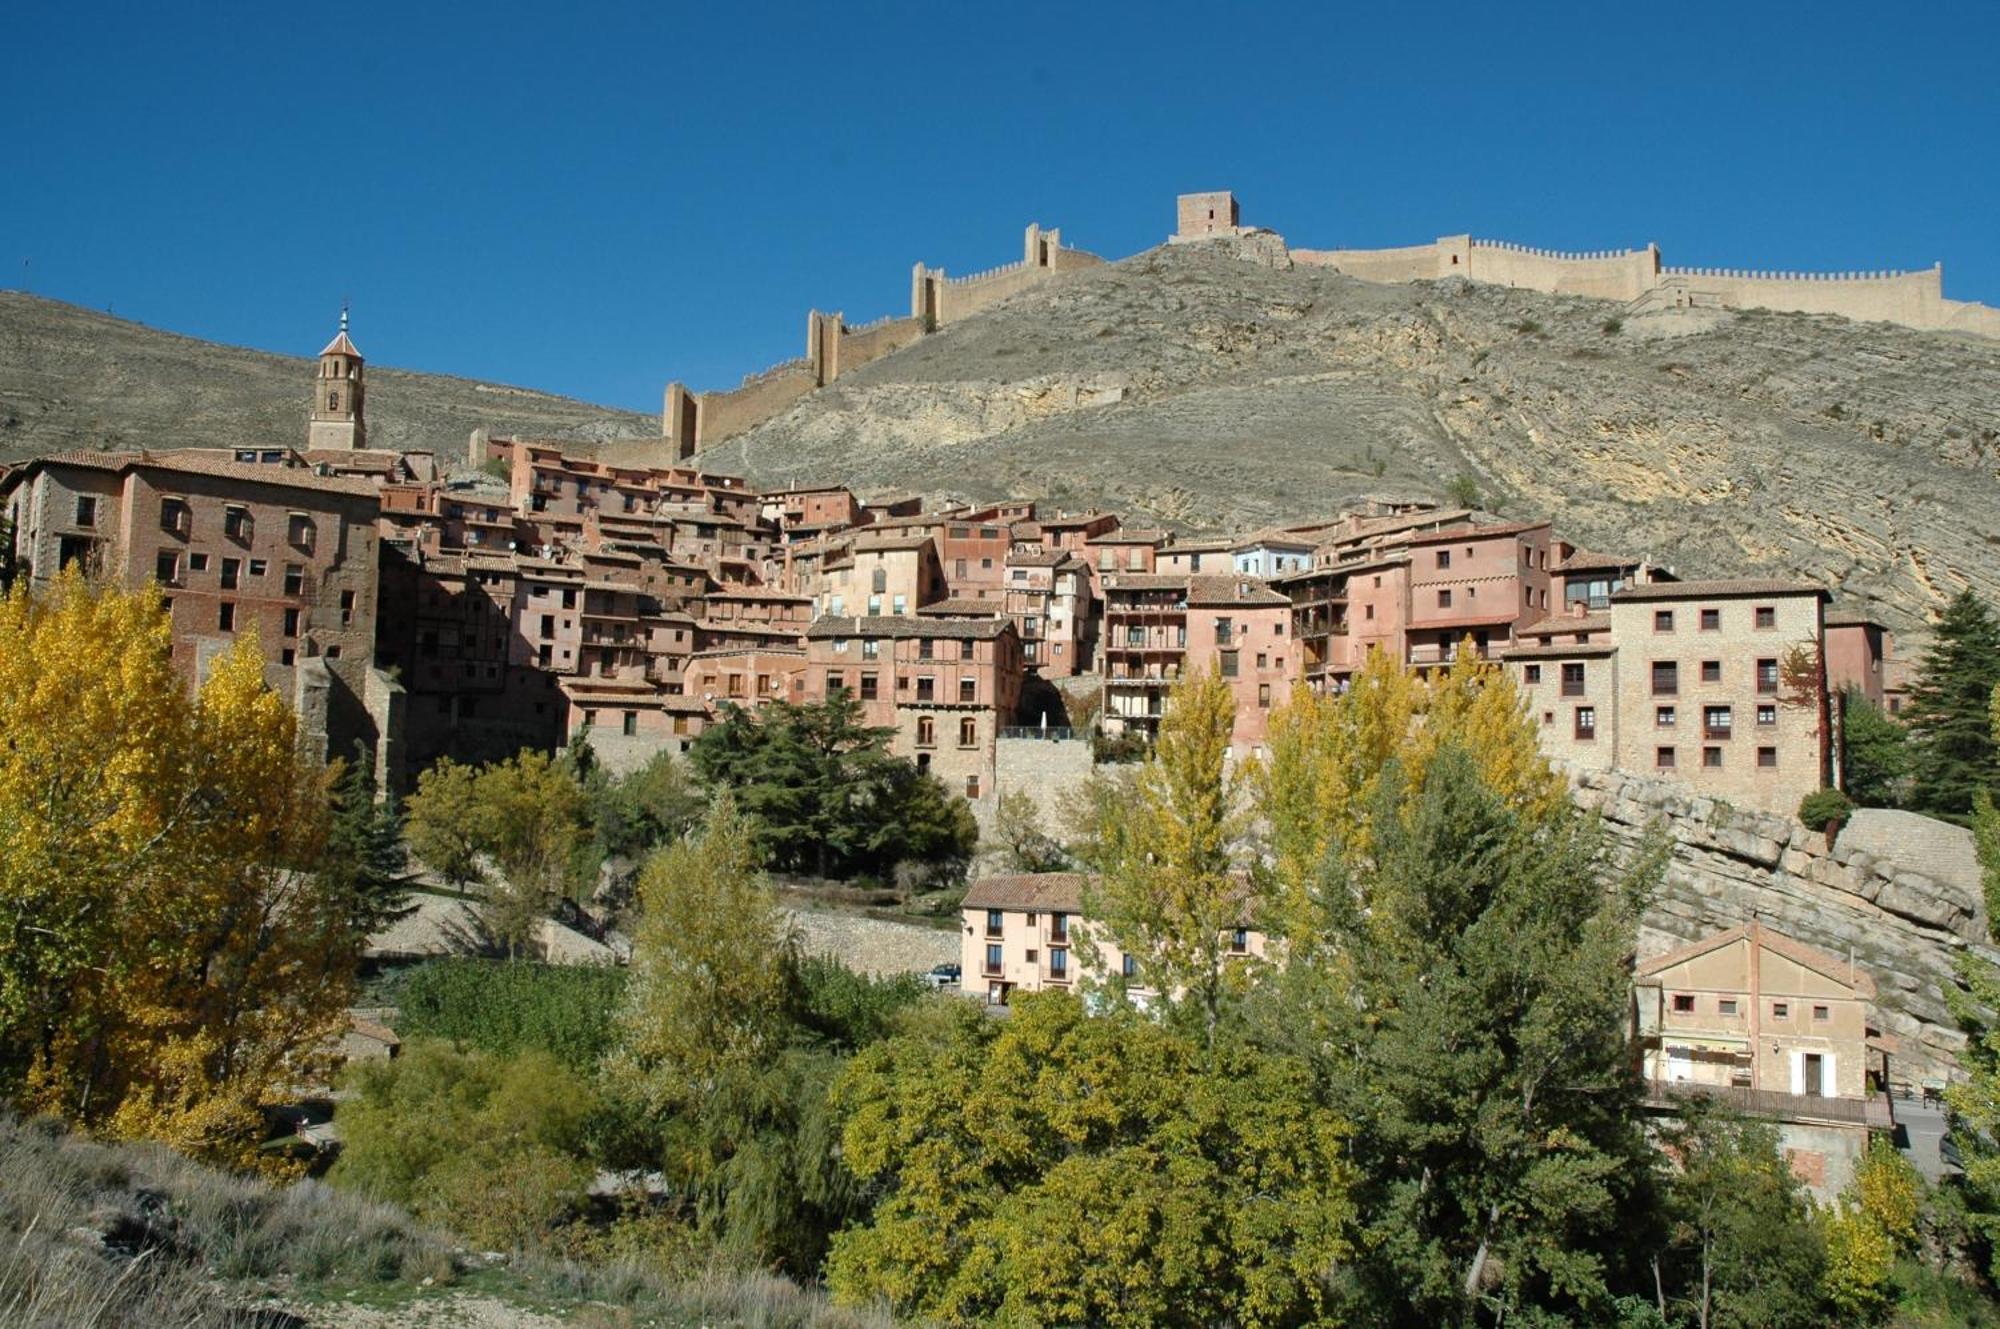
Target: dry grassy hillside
[[1191, 387], [70, 378]]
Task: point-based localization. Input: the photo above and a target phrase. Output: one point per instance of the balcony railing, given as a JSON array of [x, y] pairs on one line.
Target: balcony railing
[[1053, 733], [1432, 654], [1873, 1111]]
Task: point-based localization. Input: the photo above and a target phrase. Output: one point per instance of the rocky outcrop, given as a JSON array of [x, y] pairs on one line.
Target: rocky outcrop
[[1898, 892]]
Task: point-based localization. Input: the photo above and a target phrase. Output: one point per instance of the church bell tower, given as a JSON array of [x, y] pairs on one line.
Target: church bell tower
[[336, 421]]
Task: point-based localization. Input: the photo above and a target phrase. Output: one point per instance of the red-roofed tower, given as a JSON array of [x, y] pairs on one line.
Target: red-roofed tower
[[336, 420]]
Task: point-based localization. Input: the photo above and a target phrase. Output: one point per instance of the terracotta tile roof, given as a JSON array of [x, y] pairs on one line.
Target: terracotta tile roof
[[203, 462], [1198, 547], [978, 629], [1130, 535], [1585, 560], [1561, 623], [1272, 535], [1559, 651], [1060, 892], [1473, 532], [1715, 590], [720, 652], [340, 345], [1223, 589], [963, 606], [1810, 957], [1146, 581], [878, 544], [1081, 519], [1037, 558]]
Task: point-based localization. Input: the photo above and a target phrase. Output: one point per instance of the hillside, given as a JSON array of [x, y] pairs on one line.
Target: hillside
[[1194, 388], [70, 377]]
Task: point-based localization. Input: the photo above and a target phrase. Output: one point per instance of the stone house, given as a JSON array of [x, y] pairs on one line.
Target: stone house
[[1773, 1027], [945, 686], [1026, 932]]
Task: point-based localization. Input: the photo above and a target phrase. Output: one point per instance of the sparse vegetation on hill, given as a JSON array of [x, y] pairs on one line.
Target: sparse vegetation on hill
[[75, 378]]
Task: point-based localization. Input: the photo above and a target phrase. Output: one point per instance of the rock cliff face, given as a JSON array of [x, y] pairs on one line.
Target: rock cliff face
[[1897, 892], [1207, 391]]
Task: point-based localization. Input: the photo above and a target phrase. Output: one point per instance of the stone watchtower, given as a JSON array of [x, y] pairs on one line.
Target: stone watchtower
[[336, 421], [1207, 214]]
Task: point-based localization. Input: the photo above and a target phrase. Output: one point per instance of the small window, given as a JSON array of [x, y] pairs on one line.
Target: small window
[[199, 563], [1264, 696], [1781, 1010], [1531, 673], [167, 567], [1666, 678], [86, 510], [1573, 678], [631, 723], [1726, 1006], [291, 622], [1766, 616], [926, 731], [1663, 759], [1711, 759], [1444, 598], [1664, 717], [1586, 723], [1239, 941], [1767, 677], [225, 616], [968, 732], [1711, 671], [1767, 714], [1767, 758], [230, 569], [1663, 620], [1130, 966], [1822, 1013], [1444, 558], [972, 786], [1683, 1003], [1711, 620]]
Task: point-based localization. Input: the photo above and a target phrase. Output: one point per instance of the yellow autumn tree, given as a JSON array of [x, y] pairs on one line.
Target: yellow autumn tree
[[1318, 789], [1166, 893], [168, 961]]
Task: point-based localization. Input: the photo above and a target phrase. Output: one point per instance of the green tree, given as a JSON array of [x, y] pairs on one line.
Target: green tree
[[1878, 752], [1018, 833], [1463, 490], [1953, 754], [651, 806], [1468, 1012], [1165, 892], [1060, 1168], [718, 1057], [1738, 1248], [824, 793], [531, 817], [492, 1147], [365, 861], [442, 822]]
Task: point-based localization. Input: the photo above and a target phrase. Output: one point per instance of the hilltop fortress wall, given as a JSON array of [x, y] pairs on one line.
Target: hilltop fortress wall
[[1637, 278], [691, 421]]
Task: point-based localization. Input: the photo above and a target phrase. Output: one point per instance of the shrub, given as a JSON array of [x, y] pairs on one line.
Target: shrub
[[1611, 327], [513, 1007], [1824, 805]]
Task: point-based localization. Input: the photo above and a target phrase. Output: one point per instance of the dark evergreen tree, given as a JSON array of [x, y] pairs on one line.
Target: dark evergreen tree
[[1877, 750], [1953, 755], [826, 795], [364, 847]]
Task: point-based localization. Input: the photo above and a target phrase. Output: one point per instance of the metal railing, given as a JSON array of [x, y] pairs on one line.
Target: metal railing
[[1053, 733]]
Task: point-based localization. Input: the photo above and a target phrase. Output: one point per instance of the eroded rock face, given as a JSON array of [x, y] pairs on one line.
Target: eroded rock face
[[1898, 892]]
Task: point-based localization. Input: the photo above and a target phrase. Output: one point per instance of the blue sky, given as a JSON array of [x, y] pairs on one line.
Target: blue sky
[[592, 199]]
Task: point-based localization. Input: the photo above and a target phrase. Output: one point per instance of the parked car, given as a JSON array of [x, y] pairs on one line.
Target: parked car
[[943, 976]]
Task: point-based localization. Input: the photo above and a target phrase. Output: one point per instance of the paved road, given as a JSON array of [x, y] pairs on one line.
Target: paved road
[[1922, 1133]]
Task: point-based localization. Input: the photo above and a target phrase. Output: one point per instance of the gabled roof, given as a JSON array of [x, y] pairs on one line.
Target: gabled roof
[[202, 461], [1224, 589], [1060, 892], [1809, 957], [340, 345]]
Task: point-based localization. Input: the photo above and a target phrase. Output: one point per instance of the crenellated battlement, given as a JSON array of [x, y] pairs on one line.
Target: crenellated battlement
[[1636, 278]]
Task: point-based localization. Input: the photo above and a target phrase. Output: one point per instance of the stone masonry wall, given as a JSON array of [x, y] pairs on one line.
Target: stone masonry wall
[[1897, 891]]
